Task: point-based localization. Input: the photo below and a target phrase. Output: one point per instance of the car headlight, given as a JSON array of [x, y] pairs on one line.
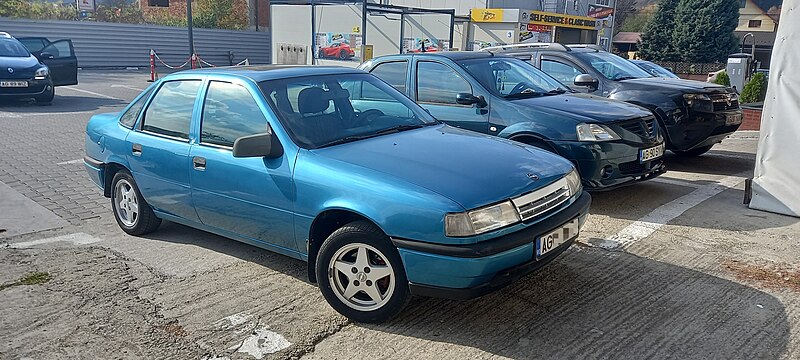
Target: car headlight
[[699, 102], [574, 182], [481, 220], [595, 132], [41, 74]]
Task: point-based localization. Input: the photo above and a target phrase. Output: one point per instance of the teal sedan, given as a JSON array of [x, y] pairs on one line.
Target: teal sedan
[[336, 168]]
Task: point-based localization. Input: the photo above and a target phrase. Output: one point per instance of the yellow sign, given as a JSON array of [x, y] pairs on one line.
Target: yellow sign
[[356, 29], [560, 20], [487, 15], [367, 53]]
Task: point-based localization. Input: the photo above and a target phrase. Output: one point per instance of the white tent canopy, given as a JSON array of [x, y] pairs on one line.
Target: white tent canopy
[[776, 181]]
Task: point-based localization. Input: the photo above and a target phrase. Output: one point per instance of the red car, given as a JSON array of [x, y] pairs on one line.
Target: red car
[[337, 50]]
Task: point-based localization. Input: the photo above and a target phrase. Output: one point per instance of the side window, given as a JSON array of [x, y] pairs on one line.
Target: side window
[[129, 117], [33, 45], [170, 112], [439, 84], [393, 73], [59, 49], [561, 71], [229, 112]]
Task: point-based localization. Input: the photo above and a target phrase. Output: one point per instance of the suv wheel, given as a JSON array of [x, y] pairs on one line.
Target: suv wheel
[[132, 213], [694, 152], [361, 275]]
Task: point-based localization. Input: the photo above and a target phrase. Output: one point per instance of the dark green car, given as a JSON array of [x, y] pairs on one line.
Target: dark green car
[[612, 143]]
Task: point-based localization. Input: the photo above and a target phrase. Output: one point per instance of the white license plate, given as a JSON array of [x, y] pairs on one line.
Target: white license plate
[[651, 153], [733, 119], [13, 84], [552, 240]]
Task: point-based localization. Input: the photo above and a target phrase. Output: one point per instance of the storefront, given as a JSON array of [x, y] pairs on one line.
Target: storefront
[[493, 27]]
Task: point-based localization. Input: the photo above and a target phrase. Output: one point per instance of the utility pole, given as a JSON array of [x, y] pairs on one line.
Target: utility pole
[[189, 24]]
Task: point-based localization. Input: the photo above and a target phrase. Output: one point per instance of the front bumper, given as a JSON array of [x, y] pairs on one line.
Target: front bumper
[[611, 164], [692, 129], [35, 88], [469, 271]]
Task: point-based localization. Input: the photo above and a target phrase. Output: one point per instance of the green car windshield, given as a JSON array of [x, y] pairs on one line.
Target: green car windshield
[[321, 111], [612, 67], [512, 78]]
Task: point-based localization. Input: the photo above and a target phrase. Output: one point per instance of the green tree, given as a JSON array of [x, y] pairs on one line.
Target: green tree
[[703, 29], [723, 79], [755, 90], [656, 43]]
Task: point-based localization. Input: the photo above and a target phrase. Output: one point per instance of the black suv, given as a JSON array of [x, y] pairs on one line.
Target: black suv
[[696, 115]]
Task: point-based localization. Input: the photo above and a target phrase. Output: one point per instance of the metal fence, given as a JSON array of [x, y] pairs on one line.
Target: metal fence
[[113, 45], [692, 68]]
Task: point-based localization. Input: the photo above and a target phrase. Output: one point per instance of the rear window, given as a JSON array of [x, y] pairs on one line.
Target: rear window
[[12, 48]]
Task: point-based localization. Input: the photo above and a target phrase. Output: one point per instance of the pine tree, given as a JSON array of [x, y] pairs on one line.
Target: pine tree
[[704, 30], [656, 43]]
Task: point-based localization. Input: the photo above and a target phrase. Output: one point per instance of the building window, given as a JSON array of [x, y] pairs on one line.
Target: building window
[[158, 3], [603, 2], [754, 24]]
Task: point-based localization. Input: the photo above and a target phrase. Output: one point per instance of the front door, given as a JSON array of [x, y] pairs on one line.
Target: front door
[[59, 56], [250, 197], [564, 71], [158, 151], [437, 85]]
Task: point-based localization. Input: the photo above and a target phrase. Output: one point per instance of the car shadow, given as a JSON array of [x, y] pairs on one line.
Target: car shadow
[[61, 104], [714, 162], [592, 303]]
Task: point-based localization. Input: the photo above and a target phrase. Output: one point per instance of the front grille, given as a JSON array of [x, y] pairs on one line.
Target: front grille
[[724, 102], [541, 201], [643, 127]]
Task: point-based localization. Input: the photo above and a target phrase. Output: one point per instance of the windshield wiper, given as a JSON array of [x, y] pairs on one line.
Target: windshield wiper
[[625, 78], [345, 139], [398, 128], [557, 91], [524, 95]]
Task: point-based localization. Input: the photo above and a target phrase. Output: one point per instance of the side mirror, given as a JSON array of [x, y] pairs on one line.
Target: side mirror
[[469, 99], [46, 55], [258, 145], [586, 80]]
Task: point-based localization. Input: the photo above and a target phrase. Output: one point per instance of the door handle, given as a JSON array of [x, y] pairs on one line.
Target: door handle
[[199, 163], [136, 149]]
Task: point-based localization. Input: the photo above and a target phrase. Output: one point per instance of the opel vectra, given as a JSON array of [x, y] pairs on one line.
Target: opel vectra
[[334, 167]]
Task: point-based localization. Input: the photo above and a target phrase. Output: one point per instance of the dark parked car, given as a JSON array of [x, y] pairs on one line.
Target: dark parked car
[[34, 74], [612, 143], [655, 69], [696, 115]]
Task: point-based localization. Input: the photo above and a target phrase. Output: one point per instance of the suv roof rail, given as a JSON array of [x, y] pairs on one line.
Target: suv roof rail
[[551, 46], [586, 46], [6, 35]]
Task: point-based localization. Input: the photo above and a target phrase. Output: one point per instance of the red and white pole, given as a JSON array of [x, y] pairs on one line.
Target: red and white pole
[[194, 61], [152, 65]]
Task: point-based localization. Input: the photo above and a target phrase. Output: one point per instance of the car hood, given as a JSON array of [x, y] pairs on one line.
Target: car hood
[[685, 86], [23, 67], [469, 168], [584, 107]]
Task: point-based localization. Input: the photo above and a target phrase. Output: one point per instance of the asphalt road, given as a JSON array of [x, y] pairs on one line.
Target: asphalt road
[[673, 268]]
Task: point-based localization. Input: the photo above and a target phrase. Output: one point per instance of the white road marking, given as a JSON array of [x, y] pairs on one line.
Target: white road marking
[[126, 87], [657, 218], [70, 162], [90, 93], [6, 114], [673, 181], [262, 342], [75, 239]]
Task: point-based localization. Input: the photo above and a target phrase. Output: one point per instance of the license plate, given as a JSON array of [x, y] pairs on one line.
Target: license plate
[[733, 119], [651, 153], [13, 84], [552, 240]]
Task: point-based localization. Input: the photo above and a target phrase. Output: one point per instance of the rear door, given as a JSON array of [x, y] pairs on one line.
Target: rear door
[[60, 57], [435, 86]]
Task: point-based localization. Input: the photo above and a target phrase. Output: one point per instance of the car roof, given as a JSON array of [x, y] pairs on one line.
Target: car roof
[[452, 55], [273, 72]]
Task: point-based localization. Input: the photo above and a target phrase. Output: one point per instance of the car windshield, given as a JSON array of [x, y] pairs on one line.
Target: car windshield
[[512, 78], [12, 48], [321, 111], [612, 66], [655, 69]]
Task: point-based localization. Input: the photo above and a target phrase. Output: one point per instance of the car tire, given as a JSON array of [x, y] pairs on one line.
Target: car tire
[[356, 264], [343, 55], [46, 98], [131, 211], [694, 152]]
